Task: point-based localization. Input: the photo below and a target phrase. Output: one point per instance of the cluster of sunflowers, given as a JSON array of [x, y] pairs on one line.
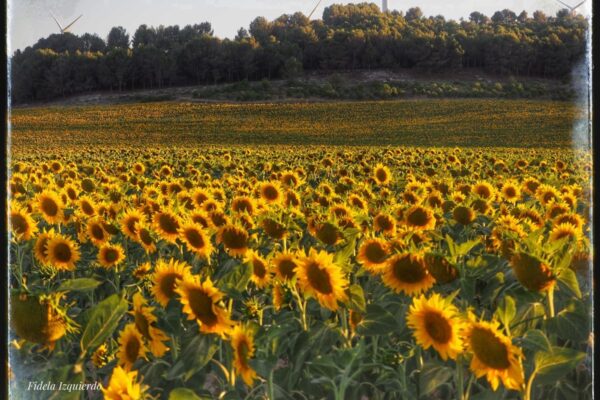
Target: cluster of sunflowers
[[338, 272]]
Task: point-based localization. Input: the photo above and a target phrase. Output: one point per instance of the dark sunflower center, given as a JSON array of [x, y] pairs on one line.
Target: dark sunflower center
[[145, 237], [202, 307], [384, 223], [132, 349], [97, 232], [319, 278], [273, 228], [510, 191], [242, 352], [418, 217], [270, 192], [168, 224], [111, 255], [489, 349], [62, 252], [142, 324], [408, 270], [381, 175], [234, 239], [167, 284], [218, 219], [194, 238], [286, 268], [19, 223], [438, 327], [87, 208], [49, 207], [483, 191], [375, 253], [243, 205], [130, 224], [260, 269], [327, 233]]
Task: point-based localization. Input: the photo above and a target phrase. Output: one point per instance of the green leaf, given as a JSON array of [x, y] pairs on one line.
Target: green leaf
[[104, 318], [79, 284], [536, 340], [377, 321], [506, 310], [356, 298], [552, 366], [464, 248], [198, 352], [236, 279], [183, 394], [568, 280], [572, 322], [433, 376]]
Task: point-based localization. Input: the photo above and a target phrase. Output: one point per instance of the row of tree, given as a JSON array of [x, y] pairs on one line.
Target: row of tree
[[354, 36]]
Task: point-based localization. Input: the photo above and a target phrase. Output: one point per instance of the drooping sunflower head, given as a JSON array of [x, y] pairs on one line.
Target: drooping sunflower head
[[320, 277], [435, 323], [243, 204], [146, 238], [464, 215], [200, 300], [494, 355], [131, 346], [166, 275], [62, 252], [273, 228], [110, 255], [328, 233], [531, 272], [441, 269], [242, 344], [408, 273], [565, 230], [373, 254], [234, 239]]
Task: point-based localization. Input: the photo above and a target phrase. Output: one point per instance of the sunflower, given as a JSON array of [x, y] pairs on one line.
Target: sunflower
[[494, 355], [242, 344], [274, 229], [62, 253], [243, 204], [196, 240], [200, 302], [96, 232], [382, 175], [234, 239], [441, 269], [278, 297], [420, 218], [564, 230], [270, 192], [145, 238], [167, 225], [40, 246], [408, 273], [510, 191], [484, 190], [144, 322], [556, 209], [532, 272], [435, 323], [328, 233], [573, 219], [463, 215], [320, 277], [21, 223], [87, 206], [547, 194], [385, 224], [110, 255], [50, 206], [284, 265], [101, 356], [373, 254], [129, 223], [260, 268], [131, 346], [165, 278]]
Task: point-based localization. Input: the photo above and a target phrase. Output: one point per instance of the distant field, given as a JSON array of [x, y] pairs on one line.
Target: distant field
[[423, 122]]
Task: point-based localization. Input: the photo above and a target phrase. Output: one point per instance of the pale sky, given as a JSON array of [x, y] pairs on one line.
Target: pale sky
[[29, 20]]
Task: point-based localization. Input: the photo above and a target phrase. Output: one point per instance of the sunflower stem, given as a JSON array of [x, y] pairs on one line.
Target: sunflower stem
[[529, 386], [551, 302], [459, 379]]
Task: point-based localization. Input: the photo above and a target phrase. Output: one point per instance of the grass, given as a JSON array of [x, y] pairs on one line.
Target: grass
[[421, 122]]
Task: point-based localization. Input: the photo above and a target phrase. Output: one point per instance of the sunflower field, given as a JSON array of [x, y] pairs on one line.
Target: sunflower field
[[252, 272]]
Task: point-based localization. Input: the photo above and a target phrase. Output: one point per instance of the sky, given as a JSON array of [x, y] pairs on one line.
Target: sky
[[30, 20]]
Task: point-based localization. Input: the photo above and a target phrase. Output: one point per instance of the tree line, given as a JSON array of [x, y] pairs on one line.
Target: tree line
[[348, 37]]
